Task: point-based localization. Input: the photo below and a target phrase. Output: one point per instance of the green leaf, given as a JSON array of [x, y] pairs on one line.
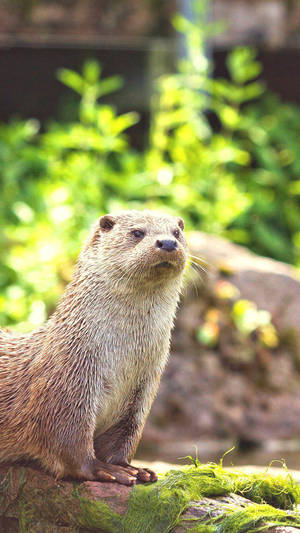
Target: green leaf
[[242, 65], [91, 71], [109, 85], [71, 79]]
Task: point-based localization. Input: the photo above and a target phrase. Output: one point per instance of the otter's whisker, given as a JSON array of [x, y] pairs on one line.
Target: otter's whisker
[[200, 261]]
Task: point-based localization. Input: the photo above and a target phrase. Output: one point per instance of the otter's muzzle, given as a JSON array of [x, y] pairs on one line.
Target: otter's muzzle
[[168, 245]]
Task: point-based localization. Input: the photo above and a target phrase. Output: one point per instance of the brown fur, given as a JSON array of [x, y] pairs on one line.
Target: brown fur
[[78, 390]]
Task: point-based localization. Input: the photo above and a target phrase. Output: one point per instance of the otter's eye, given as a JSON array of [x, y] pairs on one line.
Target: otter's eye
[[176, 234], [139, 234]]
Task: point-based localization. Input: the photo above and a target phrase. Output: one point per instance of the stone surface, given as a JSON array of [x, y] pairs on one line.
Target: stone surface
[[216, 507], [258, 21], [272, 285], [272, 23], [33, 502], [82, 18]]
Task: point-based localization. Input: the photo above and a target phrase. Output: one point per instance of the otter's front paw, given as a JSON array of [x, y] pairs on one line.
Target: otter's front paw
[[124, 474], [142, 474]]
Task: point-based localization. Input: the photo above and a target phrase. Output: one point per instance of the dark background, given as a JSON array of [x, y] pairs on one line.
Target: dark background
[[30, 88]]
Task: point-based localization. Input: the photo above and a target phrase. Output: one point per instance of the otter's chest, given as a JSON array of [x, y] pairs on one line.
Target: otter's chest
[[132, 355]]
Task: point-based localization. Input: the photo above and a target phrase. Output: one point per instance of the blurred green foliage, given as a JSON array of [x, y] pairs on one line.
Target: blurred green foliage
[[240, 179], [270, 131]]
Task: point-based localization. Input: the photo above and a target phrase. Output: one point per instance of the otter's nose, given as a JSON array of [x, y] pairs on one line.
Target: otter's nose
[[167, 244]]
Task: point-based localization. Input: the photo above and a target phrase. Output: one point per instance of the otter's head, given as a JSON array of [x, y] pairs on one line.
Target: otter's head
[[139, 247]]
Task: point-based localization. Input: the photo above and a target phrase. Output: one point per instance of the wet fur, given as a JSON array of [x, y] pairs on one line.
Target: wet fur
[[82, 385]]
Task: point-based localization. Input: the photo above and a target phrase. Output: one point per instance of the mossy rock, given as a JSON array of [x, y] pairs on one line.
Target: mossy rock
[[200, 498]]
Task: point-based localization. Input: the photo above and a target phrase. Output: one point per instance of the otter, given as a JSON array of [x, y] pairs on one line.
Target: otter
[[75, 393]]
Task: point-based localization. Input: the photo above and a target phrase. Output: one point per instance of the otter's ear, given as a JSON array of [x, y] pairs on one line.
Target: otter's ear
[[107, 222], [181, 223]]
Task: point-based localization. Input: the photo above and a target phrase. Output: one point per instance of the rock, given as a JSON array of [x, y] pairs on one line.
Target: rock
[[248, 22], [78, 18], [36, 502], [238, 390], [281, 374], [216, 507], [33, 502], [272, 285]]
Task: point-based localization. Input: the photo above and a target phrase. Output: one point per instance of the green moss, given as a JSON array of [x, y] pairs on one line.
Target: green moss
[[251, 519], [204, 529], [280, 492], [159, 507], [5, 484], [97, 514]]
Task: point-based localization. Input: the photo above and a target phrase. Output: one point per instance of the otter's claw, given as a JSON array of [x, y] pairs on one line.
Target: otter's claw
[[142, 474], [105, 476], [124, 474], [153, 475]]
